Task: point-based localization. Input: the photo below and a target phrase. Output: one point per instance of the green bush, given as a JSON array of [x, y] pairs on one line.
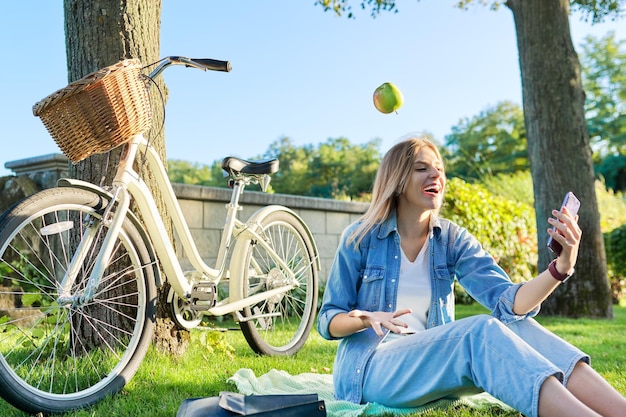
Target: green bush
[[612, 208], [505, 228], [613, 224], [517, 186], [615, 243]]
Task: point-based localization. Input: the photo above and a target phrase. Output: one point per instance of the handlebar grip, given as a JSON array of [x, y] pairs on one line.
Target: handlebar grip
[[214, 64]]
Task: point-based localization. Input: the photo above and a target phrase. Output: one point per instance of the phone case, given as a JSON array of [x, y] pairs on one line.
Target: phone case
[[573, 204]]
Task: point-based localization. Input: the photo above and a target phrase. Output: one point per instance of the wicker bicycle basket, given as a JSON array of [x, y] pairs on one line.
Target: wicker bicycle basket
[[98, 112]]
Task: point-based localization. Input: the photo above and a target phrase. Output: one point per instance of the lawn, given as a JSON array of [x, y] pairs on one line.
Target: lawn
[[163, 382]]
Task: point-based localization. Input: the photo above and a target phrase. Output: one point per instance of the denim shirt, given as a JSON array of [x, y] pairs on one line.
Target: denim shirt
[[366, 278]]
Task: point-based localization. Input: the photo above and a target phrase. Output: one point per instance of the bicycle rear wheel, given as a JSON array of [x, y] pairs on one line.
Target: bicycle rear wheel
[[281, 324], [60, 351]]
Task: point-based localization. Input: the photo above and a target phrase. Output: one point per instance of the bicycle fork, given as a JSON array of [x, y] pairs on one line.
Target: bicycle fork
[[114, 222]]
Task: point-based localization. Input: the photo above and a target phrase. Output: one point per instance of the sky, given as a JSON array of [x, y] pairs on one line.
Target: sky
[[297, 71]]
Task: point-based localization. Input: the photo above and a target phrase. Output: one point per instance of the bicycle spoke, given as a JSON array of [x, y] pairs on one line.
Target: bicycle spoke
[[280, 324], [60, 347]]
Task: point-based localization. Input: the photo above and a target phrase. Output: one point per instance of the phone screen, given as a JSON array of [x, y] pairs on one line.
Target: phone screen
[[573, 204]]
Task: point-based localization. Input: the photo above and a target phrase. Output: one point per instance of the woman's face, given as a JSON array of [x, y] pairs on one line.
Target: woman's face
[[426, 183]]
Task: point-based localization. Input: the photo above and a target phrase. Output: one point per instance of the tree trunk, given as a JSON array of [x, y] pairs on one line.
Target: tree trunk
[[559, 151], [99, 33]]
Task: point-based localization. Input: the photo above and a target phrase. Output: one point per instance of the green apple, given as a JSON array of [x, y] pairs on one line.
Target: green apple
[[388, 98]]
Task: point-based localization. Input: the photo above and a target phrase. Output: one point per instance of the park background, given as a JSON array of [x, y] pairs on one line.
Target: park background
[[182, 374]]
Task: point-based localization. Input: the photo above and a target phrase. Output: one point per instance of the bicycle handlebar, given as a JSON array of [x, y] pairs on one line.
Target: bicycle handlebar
[[200, 63]]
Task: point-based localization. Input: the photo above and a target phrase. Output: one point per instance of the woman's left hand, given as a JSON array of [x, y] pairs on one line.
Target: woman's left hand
[[379, 319], [568, 234]]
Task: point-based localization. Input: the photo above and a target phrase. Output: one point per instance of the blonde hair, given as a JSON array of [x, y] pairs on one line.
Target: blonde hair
[[391, 181]]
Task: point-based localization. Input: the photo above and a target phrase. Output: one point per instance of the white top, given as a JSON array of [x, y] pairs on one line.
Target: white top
[[414, 290]]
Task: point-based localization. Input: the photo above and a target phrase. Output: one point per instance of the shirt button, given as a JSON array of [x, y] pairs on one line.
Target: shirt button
[[395, 257], [393, 280], [389, 305], [358, 371]]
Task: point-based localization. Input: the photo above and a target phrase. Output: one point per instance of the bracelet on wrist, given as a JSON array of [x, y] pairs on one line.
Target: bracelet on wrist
[[556, 274]]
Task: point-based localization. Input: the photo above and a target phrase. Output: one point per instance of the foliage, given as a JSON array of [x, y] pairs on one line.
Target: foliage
[[596, 10], [494, 141], [615, 243], [215, 342], [517, 186], [185, 172], [343, 8], [505, 228], [612, 207], [491, 143], [613, 223], [612, 170], [335, 169], [599, 10], [603, 62], [294, 166]]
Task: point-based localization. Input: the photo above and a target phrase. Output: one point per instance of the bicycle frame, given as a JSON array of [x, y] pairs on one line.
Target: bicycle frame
[[82, 264], [127, 183]]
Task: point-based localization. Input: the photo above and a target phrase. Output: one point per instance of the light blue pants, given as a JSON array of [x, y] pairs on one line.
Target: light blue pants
[[470, 355]]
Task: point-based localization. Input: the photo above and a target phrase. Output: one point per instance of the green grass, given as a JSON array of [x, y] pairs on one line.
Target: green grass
[[163, 382]]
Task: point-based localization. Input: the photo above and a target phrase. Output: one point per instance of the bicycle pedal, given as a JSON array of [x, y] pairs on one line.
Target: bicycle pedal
[[203, 296]]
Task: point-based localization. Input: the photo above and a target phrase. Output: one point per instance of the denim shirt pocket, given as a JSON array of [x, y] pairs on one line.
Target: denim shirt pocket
[[371, 291]]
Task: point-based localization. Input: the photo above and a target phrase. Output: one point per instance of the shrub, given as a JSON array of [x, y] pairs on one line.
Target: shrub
[[615, 243], [517, 186], [613, 224], [505, 228], [612, 208]]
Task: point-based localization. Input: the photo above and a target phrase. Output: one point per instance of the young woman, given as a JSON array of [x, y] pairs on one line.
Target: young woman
[[389, 298]]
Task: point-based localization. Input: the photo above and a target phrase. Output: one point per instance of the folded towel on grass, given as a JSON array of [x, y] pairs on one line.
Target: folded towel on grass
[[281, 382]]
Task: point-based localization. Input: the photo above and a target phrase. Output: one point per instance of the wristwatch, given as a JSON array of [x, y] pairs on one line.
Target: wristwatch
[[556, 274]]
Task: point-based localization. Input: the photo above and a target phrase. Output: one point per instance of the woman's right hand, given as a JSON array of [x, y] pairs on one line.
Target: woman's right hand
[[379, 319], [568, 234]]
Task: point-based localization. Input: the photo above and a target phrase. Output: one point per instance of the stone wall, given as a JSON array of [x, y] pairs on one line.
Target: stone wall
[[205, 212]]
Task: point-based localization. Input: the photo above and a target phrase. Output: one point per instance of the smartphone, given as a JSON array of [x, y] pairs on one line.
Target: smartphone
[[573, 204]]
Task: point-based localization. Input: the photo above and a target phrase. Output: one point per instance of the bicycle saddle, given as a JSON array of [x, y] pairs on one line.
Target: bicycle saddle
[[233, 164]]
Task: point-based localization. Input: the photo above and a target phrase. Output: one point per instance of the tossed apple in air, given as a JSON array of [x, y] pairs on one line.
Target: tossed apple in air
[[388, 98]]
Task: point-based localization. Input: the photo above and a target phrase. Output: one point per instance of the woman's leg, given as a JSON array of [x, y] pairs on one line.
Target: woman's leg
[[474, 352], [593, 390], [580, 379], [556, 401], [562, 354]]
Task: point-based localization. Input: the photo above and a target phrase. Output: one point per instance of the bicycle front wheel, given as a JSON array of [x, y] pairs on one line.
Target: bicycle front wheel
[[280, 324], [60, 347]]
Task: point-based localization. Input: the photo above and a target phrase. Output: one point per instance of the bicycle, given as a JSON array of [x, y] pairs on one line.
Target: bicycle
[[80, 271]]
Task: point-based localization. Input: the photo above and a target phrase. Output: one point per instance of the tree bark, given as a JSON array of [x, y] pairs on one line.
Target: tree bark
[[99, 33], [559, 150]]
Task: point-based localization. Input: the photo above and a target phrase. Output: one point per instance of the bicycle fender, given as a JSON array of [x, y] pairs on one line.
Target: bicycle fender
[[87, 186]]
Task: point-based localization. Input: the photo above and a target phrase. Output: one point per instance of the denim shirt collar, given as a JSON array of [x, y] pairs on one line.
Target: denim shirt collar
[[391, 225]]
